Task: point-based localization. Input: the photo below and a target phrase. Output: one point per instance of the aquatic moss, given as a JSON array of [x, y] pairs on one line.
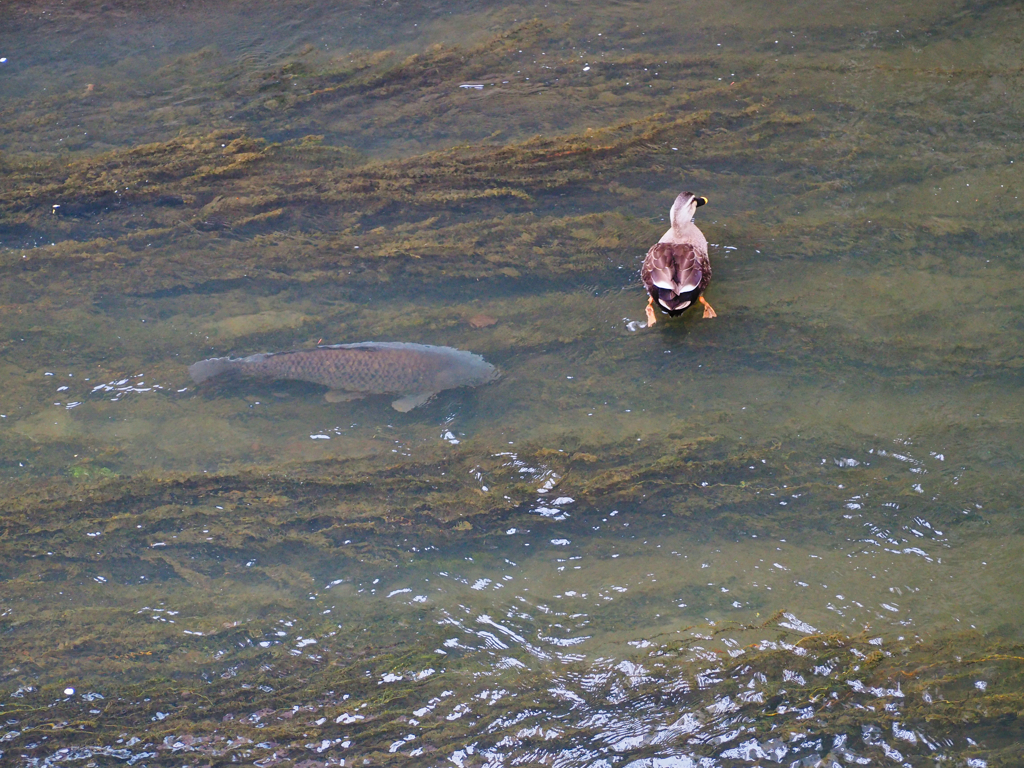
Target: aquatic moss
[[290, 706], [272, 208], [300, 522]]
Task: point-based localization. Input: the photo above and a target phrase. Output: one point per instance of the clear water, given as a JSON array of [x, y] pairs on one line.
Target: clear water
[[668, 546]]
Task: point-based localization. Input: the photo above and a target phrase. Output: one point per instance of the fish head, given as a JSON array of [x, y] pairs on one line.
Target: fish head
[[489, 375], [470, 371], [482, 374]]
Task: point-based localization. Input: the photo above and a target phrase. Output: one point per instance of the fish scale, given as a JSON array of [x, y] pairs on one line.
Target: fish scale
[[418, 371], [363, 369]]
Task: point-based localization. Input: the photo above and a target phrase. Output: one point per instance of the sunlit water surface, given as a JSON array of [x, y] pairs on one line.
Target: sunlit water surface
[[787, 536]]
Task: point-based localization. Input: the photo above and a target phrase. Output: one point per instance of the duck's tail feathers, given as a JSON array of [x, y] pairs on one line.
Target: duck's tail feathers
[[674, 303]]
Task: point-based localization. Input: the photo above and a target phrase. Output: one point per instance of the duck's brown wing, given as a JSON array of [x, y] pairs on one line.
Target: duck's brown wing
[[675, 274]]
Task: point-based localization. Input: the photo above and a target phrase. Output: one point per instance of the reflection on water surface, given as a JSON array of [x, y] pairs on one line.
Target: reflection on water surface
[[787, 536]]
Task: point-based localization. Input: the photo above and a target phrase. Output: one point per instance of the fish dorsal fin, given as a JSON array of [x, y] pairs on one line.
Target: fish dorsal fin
[[407, 403]]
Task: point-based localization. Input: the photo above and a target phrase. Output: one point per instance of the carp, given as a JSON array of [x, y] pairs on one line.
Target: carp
[[417, 372]]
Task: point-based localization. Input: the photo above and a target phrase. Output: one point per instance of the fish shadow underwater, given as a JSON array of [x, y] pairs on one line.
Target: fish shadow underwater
[[414, 372]]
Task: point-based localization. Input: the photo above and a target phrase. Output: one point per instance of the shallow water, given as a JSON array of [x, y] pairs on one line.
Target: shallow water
[[789, 535]]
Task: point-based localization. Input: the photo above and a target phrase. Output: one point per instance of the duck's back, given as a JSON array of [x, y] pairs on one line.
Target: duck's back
[[676, 274], [686, 234]]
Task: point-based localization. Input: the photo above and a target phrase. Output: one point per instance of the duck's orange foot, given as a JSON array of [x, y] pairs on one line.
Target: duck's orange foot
[[651, 319], [708, 311]]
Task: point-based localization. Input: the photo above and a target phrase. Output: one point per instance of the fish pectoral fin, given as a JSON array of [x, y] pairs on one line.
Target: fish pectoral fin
[[407, 403], [340, 396]]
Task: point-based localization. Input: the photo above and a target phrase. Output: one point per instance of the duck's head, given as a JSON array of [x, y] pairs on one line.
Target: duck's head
[[684, 207]]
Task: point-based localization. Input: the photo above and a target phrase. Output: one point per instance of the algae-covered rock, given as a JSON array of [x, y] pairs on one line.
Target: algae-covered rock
[[261, 322]]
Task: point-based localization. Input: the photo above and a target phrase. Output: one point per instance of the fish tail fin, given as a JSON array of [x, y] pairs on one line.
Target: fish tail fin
[[208, 369]]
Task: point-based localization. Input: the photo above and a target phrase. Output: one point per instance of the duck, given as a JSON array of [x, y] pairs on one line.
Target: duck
[[676, 271]]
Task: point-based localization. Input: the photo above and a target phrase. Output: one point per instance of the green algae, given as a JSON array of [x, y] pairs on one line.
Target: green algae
[[261, 701], [289, 215], [286, 709], [297, 522]]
